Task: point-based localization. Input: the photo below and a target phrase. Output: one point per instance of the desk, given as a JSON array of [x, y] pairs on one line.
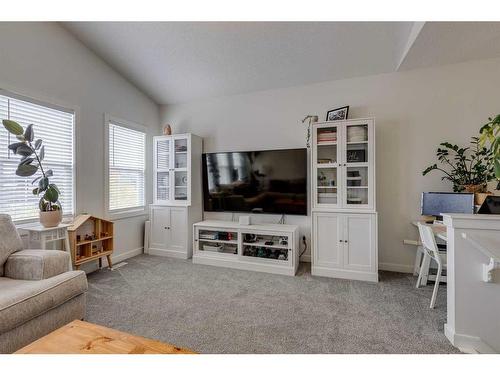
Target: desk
[[441, 233], [39, 236], [438, 229]]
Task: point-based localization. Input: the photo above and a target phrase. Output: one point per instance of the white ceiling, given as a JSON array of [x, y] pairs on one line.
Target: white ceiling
[[176, 62], [441, 43]]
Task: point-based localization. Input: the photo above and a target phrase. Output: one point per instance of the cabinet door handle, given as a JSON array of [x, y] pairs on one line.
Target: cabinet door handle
[[345, 241], [341, 241], [167, 227]]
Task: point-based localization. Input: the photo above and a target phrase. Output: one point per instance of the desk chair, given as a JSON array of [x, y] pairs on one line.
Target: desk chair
[[431, 250]]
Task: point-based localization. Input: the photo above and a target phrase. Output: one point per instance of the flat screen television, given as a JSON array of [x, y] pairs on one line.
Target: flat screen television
[[273, 181]]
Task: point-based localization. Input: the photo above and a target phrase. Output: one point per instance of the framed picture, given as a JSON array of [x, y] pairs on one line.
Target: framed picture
[[356, 156], [337, 114]]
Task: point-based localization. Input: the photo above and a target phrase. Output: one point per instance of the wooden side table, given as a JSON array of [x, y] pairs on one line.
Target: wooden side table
[[39, 236]]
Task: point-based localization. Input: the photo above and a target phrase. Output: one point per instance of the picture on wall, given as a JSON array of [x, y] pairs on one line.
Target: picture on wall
[[337, 114]]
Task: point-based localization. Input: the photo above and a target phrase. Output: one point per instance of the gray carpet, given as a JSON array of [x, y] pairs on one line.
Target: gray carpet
[[219, 310]]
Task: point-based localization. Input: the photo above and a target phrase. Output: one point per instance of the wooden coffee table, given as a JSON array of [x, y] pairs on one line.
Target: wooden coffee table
[[80, 337]]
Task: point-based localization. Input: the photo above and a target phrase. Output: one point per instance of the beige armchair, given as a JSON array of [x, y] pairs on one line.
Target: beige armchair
[[38, 293]]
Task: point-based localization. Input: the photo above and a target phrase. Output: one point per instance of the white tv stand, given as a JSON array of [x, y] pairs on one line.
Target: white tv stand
[[229, 244]]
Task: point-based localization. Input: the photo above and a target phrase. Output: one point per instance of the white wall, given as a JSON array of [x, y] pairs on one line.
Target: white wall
[[414, 110], [44, 61]]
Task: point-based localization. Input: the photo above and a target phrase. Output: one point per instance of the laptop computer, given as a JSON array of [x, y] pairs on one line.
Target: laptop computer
[[491, 205]]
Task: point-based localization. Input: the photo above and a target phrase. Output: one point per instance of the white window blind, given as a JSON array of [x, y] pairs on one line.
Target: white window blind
[[126, 168], [53, 125]]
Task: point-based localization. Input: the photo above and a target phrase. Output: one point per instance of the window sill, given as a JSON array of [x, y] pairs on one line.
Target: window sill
[[122, 215]]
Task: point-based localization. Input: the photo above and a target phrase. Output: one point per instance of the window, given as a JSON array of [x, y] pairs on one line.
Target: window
[[126, 178], [55, 126]]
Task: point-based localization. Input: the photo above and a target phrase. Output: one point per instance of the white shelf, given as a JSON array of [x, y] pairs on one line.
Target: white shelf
[[262, 244], [234, 242], [264, 259], [357, 165], [221, 253], [327, 143], [357, 143], [326, 187], [327, 165], [357, 187]]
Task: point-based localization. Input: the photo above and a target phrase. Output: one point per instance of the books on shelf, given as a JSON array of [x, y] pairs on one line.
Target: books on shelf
[[357, 133], [325, 136]]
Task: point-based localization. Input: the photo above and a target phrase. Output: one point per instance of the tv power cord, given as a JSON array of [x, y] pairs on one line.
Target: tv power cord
[[305, 246]]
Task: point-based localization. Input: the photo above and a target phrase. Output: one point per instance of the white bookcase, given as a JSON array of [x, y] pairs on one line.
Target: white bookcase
[[272, 248], [344, 218], [177, 194]]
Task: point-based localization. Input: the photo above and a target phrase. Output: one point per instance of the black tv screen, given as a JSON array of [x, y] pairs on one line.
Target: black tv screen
[[256, 181]]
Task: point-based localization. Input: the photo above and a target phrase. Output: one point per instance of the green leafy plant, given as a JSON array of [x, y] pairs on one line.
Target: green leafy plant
[[32, 154], [464, 166], [490, 134]]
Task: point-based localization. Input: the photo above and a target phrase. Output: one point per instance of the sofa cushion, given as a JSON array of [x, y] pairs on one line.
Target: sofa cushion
[[10, 241], [23, 300], [36, 264]]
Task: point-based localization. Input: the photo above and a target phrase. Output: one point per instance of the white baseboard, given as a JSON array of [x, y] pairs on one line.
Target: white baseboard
[[344, 274], [127, 254], [169, 253], [466, 343], [395, 267]]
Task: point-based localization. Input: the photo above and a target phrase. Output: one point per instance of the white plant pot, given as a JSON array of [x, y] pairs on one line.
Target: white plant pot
[[50, 219]]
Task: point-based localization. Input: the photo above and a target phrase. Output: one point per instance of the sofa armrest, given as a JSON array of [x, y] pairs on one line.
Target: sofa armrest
[[36, 264]]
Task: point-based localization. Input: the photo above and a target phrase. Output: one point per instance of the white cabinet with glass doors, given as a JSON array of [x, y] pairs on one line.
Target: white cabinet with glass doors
[[343, 183], [177, 189]]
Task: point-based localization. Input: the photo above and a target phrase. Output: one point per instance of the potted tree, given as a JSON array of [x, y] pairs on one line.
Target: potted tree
[[468, 168], [490, 134], [32, 154]]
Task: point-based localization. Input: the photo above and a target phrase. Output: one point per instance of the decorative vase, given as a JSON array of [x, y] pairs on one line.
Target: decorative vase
[[50, 219], [479, 198], [475, 188], [167, 130]]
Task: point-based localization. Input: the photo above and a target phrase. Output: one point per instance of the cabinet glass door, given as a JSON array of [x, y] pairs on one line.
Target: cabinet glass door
[[180, 153], [162, 177], [357, 168], [326, 167]]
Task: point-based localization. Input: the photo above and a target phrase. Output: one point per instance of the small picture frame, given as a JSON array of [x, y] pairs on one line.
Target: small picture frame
[[337, 114], [356, 156]]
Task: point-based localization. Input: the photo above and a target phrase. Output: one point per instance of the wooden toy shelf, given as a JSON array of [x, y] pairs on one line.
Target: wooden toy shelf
[[91, 238]]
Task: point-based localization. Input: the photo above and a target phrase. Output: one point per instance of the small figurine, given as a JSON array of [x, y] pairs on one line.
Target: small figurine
[[167, 130]]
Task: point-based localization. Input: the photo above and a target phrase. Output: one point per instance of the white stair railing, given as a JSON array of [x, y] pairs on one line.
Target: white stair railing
[[486, 249]]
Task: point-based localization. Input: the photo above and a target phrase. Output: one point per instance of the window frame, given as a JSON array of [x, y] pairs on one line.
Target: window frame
[[49, 102], [125, 212]]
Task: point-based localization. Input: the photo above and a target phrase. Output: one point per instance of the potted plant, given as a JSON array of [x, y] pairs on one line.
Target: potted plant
[[468, 168], [32, 155], [490, 134]]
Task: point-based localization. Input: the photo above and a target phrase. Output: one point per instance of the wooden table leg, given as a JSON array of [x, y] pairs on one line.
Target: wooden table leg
[[110, 264]]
